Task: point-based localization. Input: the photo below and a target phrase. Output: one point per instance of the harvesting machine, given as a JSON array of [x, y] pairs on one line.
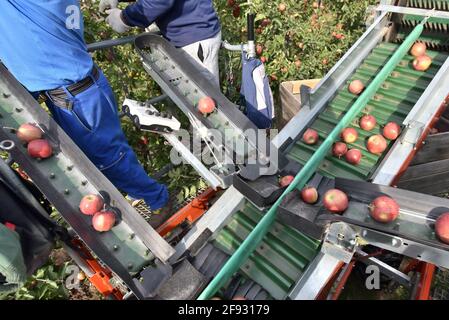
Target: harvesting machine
[[245, 235]]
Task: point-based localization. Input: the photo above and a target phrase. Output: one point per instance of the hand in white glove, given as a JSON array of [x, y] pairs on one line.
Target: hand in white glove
[[115, 20], [108, 4]]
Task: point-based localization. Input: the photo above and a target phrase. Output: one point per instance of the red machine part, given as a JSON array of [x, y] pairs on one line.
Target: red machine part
[[190, 213], [427, 271], [101, 276]]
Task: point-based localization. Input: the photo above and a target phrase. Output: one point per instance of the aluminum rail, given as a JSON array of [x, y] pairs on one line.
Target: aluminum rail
[[258, 233], [420, 13]]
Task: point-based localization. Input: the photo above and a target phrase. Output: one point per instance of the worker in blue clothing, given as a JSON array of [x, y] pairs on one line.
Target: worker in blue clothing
[[191, 25], [43, 46]]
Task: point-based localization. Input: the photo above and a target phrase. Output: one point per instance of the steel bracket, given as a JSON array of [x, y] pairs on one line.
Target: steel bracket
[[412, 132], [341, 242]]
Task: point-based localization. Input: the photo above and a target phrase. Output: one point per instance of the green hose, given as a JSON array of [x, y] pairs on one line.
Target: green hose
[[256, 236]]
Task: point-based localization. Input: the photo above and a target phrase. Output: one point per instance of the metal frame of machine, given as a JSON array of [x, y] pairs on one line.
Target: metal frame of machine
[[423, 114]]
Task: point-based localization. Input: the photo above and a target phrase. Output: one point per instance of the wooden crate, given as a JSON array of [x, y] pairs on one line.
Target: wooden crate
[[290, 98]]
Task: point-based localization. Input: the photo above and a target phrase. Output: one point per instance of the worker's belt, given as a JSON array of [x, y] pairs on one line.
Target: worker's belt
[[60, 97]]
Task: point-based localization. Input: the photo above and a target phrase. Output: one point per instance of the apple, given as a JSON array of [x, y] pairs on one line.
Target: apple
[[418, 49], [391, 130], [259, 49], [384, 209], [310, 136], [349, 135], [356, 87], [339, 149], [239, 298], [442, 227], [338, 36], [309, 195], [28, 132], [265, 22], [103, 221], [353, 156], [81, 276], [282, 7], [298, 63], [263, 59], [368, 122], [376, 144], [206, 105], [335, 201], [40, 148], [422, 63], [230, 3], [91, 204], [236, 11], [286, 180]]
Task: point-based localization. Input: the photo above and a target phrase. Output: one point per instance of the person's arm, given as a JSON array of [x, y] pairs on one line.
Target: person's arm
[[145, 12]]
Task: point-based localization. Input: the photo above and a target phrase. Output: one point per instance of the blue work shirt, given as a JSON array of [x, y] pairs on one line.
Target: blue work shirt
[[42, 42], [182, 22]]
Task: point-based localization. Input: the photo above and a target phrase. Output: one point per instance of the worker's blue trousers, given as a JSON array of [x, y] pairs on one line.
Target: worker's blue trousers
[[94, 125]]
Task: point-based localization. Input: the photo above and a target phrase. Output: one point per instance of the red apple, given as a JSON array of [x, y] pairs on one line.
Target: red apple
[[230, 3], [286, 180], [391, 131], [339, 149], [442, 227], [349, 135], [103, 221], [356, 87], [28, 132], [265, 22], [422, 63], [368, 122], [236, 11], [418, 49], [376, 144], [335, 201], [310, 136], [91, 204], [353, 156], [206, 105], [40, 148], [259, 49], [309, 195], [384, 209], [263, 59], [298, 63]]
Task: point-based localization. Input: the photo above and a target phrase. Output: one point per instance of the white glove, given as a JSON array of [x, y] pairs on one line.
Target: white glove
[[108, 4], [114, 19]]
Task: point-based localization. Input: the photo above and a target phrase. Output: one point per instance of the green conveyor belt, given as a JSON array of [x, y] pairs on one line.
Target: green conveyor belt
[[392, 102], [279, 260]]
